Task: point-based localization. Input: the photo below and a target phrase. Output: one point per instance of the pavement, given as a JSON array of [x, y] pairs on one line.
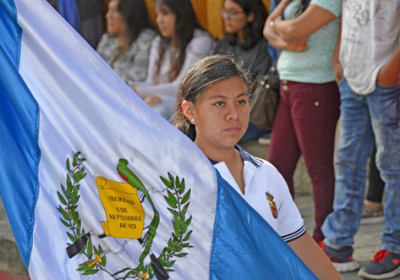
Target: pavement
[[367, 239]]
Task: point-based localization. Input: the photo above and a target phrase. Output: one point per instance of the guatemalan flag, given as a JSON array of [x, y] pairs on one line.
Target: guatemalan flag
[[97, 186]]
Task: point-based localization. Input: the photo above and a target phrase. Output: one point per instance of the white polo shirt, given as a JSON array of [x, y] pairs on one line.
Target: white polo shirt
[[267, 192]]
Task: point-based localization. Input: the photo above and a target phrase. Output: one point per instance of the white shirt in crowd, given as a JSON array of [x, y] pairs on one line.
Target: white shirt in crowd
[[370, 38]]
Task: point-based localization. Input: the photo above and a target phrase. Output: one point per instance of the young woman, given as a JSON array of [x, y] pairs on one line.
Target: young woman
[[126, 45], [244, 21], [213, 110], [180, 44], [308, 109]]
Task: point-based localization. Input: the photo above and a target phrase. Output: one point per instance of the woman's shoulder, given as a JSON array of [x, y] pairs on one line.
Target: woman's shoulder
[[147, 34], [265, 167], [261, 44], [201, 35], [156, 42], [256, 161], [224, 40], [223, 46], [106, 40], [198, 32], [106, 46], [258, 51], [146, 38], [201, 43], [268, 168]]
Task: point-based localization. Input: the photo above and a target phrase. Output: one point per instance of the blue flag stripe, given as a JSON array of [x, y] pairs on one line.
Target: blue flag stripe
[[246, 247], [10, 31], [19, 116]]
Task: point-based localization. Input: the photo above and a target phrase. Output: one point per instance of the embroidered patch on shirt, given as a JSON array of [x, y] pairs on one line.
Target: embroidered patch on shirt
[[272, 204]]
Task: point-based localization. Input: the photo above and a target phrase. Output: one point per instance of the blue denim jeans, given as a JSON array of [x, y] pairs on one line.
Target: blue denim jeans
[[363, 120]]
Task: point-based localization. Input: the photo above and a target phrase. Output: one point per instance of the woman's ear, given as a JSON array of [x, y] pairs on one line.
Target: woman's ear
[[188, 110]]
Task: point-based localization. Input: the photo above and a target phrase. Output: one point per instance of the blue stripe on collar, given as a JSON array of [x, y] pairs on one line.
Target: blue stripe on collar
[[248, 157], [245, 156], [212, 161]]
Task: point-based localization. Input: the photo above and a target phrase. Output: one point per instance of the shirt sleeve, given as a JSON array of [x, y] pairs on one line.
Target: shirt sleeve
[[335, 6], [290, 222]]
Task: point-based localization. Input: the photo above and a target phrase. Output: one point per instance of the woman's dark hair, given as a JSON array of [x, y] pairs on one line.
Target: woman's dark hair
[[204, 74], [136, 16], [185, 24], [253, 31], [303, 6]]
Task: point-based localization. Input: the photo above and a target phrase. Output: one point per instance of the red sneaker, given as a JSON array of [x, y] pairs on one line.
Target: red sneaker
[[384, 265], [342, 259]]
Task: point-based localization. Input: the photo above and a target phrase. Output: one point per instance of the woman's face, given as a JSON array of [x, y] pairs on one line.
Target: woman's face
[[221, 114], [115, 21], [234, 17], [166, 20]]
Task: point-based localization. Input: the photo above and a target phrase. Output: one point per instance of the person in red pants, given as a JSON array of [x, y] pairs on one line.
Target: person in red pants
[[308, 110]]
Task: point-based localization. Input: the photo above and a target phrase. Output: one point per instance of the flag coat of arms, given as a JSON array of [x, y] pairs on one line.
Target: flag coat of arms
[[98, 186]]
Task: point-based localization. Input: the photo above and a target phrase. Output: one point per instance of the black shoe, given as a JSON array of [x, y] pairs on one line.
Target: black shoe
[[384, 265], [342, 258]]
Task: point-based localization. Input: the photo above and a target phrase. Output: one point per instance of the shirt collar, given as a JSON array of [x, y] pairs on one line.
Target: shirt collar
[[245, 157]]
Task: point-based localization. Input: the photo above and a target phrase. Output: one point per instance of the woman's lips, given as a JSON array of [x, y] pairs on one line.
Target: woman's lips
[[233, 129]]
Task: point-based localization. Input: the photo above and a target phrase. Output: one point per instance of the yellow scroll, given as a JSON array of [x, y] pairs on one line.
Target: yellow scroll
[[125, 216]]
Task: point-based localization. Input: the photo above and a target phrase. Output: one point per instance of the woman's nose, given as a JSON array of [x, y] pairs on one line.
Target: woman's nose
[[232, 112], [158, 19]]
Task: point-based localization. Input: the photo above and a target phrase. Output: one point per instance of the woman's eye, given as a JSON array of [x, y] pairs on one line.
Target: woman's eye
[[219, 103], [242, 102]]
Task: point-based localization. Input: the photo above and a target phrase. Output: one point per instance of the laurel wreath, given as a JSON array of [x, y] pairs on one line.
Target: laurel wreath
[[177, 199], [69, 199]]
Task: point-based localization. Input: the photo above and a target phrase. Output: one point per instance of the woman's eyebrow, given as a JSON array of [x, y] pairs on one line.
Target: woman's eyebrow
[[223, 96], [243, 94], [217, 96]]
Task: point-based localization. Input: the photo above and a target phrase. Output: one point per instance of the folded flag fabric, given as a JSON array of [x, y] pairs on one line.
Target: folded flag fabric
[[98, 186]]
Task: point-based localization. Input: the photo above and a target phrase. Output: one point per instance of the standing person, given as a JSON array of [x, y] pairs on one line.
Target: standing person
[[370, 109], [308, 110], [181, 42], [213, 110], [244, 21], [126, 45]]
